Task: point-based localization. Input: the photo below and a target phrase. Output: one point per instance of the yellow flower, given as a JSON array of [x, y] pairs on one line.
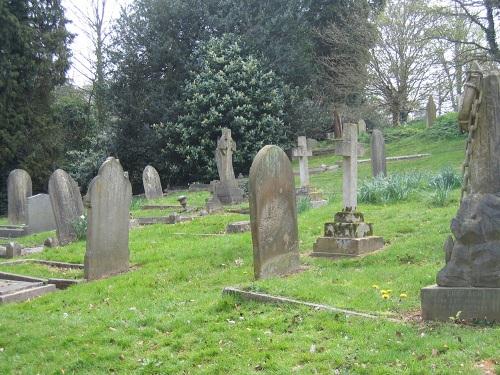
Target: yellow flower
[[385, 296], [375, 286], [403, 295]]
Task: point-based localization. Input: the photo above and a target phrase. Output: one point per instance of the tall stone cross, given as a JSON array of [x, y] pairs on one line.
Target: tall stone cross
[[224, 156], [303, 153], [349, 149]]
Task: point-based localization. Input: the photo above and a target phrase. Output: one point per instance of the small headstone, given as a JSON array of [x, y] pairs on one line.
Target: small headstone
[[312, 143], [67, 205], [430, 115], [238, 227], [19, 188], [303, 153], [214, 204], [51, 242], [40, 217], [379, 165], [273, 214], [227, 190], [108, 200], [361, 126], [13, 249], [182, 201], [152, 183]]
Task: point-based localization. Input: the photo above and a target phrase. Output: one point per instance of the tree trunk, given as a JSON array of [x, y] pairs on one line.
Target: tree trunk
[[337, 125]]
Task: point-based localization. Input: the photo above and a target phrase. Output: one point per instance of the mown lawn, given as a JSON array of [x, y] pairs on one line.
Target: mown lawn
[[167, 316]]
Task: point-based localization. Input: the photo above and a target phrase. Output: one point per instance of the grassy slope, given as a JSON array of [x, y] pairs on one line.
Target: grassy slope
[[168, 316]]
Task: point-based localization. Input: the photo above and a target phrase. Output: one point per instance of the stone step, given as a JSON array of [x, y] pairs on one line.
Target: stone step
[[12, 231], [28, 293]]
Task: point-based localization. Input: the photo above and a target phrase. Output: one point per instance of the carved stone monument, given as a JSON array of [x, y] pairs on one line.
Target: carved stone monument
[[379, 165], [40, 216], [152, 183], [430, 112], [67, 205], [348, 235], [108, 203], [19, 188], [227, 190], [469, 284], [273, 214]]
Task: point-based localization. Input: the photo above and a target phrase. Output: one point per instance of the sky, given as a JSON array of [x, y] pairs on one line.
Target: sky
[[82, 44]]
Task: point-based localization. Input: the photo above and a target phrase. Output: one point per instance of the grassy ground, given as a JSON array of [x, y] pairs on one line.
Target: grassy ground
[[167, 315]]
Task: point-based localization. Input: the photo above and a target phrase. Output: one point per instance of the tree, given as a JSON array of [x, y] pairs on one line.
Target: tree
[[33, 60], [228, 88]]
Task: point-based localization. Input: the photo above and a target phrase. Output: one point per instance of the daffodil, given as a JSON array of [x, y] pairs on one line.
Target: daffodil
[[386, 296], [375, 286], [403, 295]]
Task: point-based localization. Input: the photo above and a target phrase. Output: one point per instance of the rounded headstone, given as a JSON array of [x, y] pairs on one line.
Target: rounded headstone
[[19, 188], [273, 214], [152, 183]]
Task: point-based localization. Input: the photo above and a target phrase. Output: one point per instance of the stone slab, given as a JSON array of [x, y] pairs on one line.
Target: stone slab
[[330, 247], [24, 295], [441, 303], [11, 231], [11, 286], [238, 227]]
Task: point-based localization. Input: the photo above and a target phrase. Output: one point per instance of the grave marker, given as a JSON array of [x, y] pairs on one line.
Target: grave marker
[[152, 183], [40, 216], [379, 164], [19, 188], [302, 152], [430, 113]]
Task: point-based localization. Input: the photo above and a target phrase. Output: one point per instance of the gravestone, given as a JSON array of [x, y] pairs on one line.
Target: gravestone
[[19, 188], [67, 205], [312, 143], [379, 165], [302, 152], [361, 126], [238, 227], [16, 291], [108, 203], [227, 190], [430, 113], [470, 281], [348, 235], [152, 183], [40, 217], [273, 214]]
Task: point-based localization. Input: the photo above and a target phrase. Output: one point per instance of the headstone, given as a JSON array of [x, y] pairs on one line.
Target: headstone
[[303, 153], [348, 235], [273, 214], [19, 188], [312, 143], [108, 202], [361, 126], [238, 227], [430, 113], [13, 249], [379, 165], [227, 190], [470, 281], [67, 205], [40, 217], [152, 183], [214, 204]]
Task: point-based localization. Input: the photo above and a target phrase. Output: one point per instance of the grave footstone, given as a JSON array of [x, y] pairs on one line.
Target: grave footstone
[[273, 214], [40, 217], [469, 284], [379, 164], [348, 235], [108, 202], [19, 188], [67, 205], [152, 183], [430, 113]]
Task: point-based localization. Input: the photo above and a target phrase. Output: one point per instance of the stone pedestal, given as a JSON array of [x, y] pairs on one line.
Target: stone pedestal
[[228, 193], [441, 303]]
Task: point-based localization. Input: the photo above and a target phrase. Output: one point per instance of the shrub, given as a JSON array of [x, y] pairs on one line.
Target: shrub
[[393, 188], [447, 178], [445, 127]]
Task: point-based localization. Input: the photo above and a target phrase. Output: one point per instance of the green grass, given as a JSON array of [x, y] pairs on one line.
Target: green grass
[[43, 271], [167, 315]]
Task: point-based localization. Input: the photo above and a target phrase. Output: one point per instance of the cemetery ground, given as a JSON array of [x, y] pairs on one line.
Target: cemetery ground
[[168, 315]]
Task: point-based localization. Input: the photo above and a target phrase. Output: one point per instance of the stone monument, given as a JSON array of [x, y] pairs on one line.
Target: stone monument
[[108, 203], [361, 126], [152, 183], [67, 205], [379, 166], [227, 189], [430, 113], [273, 214], [19, 188], [468, 286], [40, 217], [303, 153], [348, 235]]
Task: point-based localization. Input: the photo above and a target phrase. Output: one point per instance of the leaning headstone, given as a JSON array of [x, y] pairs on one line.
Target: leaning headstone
[[430, 113], [227, 190], [361, 126], [67, 205], [40, 217], [273, 214], [468, 286], [348, 235], [379, 165], [108, 203], [19, 188], [152, 183]]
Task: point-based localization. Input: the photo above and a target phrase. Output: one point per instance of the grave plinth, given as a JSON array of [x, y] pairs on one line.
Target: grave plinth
[[348, 235]]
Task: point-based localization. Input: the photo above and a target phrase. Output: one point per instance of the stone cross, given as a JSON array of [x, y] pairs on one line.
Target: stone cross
[[379, 164], [224, 156], [349, 149], [19, 188], [303, 153], [430, 115]]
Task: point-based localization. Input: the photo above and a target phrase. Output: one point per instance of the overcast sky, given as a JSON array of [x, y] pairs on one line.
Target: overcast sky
[[82, 45]]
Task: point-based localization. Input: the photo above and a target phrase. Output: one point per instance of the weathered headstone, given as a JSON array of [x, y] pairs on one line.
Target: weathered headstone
[[40, 217], [379, 165], [227, 190], [312, 143], [361, 126], [108, 202], [273, 214], [302, 152], [470, 281], [152, 183], [238, 227], [67, 205], [430, 112], [19, 188], [348, 235]]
